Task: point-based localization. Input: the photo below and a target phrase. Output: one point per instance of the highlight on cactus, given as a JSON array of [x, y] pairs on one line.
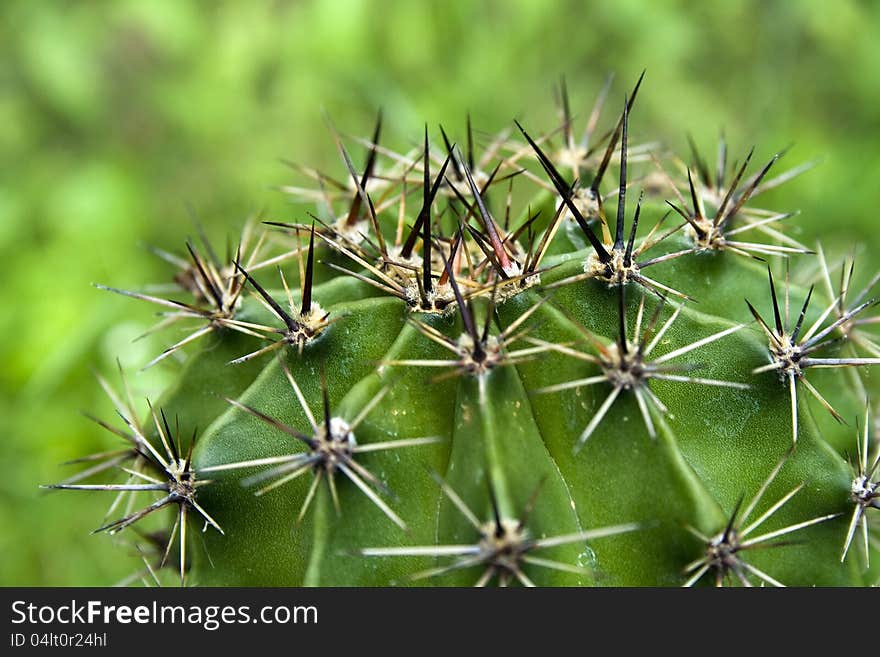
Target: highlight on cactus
[[470, 362]]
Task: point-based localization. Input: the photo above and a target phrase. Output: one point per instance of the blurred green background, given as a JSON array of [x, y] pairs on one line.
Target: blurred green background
[[116, 115]]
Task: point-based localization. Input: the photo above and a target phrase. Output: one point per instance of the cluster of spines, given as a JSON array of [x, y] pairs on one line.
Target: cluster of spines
[[493, 260]]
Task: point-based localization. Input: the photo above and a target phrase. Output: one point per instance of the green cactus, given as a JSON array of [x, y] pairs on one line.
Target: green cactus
[[461, 371]]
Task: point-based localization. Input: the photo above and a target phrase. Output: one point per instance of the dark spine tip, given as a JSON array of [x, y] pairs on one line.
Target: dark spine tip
[[426, 219], [309, 275], [777, 317], [621, 194]]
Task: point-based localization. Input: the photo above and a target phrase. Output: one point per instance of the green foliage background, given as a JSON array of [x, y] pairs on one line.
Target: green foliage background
[[116, 115]]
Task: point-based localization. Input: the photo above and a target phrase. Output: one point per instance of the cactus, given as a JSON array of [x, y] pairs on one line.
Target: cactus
[[460, 370]]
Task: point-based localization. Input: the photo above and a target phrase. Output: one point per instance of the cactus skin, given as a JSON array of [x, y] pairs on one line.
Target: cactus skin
[[715, 445]]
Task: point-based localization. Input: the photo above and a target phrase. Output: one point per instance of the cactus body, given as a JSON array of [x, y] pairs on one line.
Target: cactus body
[[471, 460]]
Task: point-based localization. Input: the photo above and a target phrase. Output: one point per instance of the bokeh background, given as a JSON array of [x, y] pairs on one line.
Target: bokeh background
[[116, 116]]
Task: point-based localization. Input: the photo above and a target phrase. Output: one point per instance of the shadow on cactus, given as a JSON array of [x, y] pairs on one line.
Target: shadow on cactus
[[455, 370]]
